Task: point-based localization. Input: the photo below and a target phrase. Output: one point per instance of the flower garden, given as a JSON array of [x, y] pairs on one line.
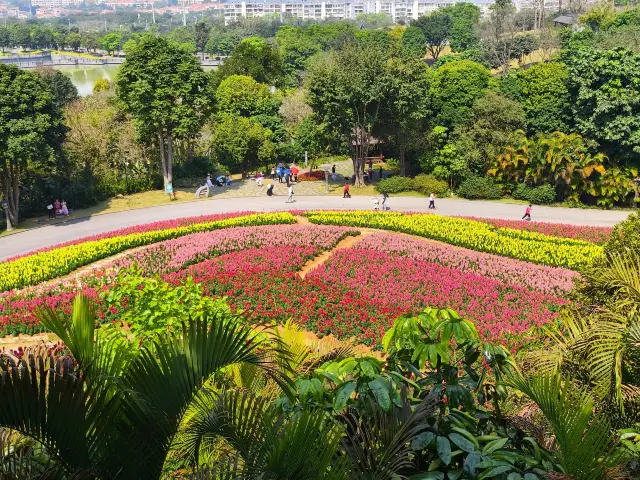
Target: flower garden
[[507, 277]]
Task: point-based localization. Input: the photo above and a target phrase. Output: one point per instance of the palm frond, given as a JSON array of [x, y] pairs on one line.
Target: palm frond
[[378, 443], [584, 440], [162, 380]]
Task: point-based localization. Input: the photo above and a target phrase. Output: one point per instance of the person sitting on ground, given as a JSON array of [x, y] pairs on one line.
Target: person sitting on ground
[[346, 191], [63, 209], [270, 189]]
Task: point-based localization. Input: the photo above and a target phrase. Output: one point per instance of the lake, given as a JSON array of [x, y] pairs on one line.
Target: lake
[[84, 76]]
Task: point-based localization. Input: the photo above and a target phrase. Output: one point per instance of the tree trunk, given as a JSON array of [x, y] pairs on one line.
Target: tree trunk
[[360, 150], [403, 163], [169, 157], [12, 191], [163, 161]]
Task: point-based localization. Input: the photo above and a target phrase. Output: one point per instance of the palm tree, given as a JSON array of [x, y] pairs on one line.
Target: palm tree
[[112, 408]]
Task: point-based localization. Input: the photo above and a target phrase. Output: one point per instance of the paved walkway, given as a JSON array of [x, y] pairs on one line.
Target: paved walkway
[[29, 240]]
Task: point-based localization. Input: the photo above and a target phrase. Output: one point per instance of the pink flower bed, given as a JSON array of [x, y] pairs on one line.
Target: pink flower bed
[[552, 280], [179, 252], [359, 292], [596, 235], [147, 227]]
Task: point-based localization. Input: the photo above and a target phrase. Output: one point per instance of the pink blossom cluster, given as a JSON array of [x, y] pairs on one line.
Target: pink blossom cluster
[[147, 227], [179, 252], [551, 280], [587, 233], [408, 284]]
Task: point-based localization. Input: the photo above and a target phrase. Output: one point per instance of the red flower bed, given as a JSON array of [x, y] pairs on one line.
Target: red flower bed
[[312, 176], [358, 293]]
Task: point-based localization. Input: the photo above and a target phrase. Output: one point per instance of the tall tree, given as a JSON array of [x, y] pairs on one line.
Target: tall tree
[[454, 89], [348, 91], [241, 143], [255, 58], [437, 31], [166, 91], [202, 35], [5, 38], [413, 43], [605, 99], [542, 91], [61, 86], [111, 42], [407, 106], [465, 18], [30, 131], [499, 32], [242, 96]]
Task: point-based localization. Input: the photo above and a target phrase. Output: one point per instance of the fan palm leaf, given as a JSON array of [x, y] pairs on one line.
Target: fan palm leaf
[[162, 380], [584, 440], [378, 443]]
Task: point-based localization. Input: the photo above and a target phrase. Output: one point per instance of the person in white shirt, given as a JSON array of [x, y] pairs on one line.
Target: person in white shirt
[[432, 201], [290, 199]]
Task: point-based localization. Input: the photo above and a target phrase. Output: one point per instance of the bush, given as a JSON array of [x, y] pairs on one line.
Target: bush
[[542, 195], [312, 176], [395, 185], [428, 184], [475, 188]]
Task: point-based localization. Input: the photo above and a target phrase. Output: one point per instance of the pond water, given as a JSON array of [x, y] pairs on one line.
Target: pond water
[[83, 77]]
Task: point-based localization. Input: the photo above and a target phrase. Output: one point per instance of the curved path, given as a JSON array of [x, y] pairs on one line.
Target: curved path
[[33, 239]]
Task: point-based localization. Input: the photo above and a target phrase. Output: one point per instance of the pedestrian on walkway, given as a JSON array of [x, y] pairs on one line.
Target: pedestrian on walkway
[[273, 173], [333, 169], [527, 213], [290, 199], [376, 204], [287, 178], [346, 191], [432, 202], [385, 195]]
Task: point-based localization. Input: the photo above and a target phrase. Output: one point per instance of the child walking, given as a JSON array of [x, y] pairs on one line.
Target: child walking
[[527, 213]]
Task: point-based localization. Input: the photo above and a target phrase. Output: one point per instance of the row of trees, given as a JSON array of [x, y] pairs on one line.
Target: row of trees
[[193, 390]]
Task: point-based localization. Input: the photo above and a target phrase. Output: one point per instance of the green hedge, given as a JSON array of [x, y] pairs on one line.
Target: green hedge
[[396, 185], [428, 184], [542, 195], [475, 188]]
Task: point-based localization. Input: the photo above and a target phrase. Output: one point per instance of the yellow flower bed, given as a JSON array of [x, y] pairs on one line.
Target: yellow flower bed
[[54, 263], [520, 244]]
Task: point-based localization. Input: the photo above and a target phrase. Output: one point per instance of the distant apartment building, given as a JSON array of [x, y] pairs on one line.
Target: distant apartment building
[[337, 9], [55, 3]]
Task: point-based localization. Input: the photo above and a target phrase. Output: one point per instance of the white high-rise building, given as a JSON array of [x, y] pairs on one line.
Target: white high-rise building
[[339, 9]]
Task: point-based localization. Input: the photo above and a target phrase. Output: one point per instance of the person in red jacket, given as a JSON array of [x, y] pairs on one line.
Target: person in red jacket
[[527, 213], [346, 191]]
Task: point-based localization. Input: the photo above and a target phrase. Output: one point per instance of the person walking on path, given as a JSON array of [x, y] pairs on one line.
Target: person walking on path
[[384, 201], [333, 169], [290, 198], [432, 202], [346, 191], [527, 213], [273, 173]]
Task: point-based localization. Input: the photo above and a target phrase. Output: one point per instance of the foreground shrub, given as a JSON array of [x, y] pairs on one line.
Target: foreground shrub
[[61, 261], [520, 244], [476, 188], [542, 195], [428, 184], [395, 185]]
